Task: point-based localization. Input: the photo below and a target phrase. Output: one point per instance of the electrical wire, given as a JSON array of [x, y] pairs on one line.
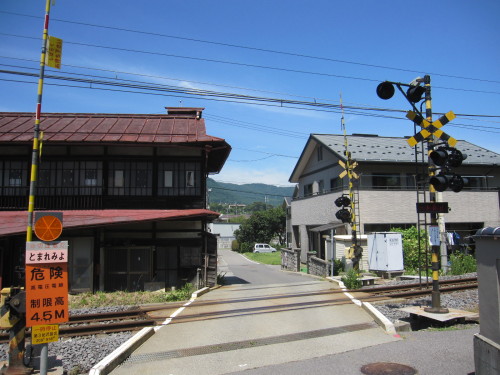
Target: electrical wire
[[475, 117], [259, 49], [274, 68], [222, 96]]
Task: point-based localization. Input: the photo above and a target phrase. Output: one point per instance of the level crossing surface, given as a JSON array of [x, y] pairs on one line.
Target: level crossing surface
[[263, 316]]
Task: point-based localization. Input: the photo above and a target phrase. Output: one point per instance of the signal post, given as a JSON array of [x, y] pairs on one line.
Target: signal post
[[442, 158], [435, 245]]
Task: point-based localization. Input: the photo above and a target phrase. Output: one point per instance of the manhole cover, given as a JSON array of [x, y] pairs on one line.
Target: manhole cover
[[387, 368]]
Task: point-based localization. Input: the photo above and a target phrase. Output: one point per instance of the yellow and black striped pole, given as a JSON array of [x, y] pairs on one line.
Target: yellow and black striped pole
[[36, 135], [435, 249], [355, 250], [17, 332]]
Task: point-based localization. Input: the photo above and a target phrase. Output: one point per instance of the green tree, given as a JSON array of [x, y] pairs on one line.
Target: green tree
[[263, 226], [257, 206]]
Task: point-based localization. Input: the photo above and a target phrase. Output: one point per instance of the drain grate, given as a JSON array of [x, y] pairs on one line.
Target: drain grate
[[387, 368], [245, 344]]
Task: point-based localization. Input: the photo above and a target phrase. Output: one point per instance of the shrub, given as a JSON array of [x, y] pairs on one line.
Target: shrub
[[180, 294], [221, 278], [461, 263], [246, 247], [351, 280], [338, 266]]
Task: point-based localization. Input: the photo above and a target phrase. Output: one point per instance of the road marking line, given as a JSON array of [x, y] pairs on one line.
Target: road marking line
[[251, 261]]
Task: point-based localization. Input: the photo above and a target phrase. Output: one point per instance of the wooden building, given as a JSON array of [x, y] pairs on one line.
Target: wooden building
[[132, 189]]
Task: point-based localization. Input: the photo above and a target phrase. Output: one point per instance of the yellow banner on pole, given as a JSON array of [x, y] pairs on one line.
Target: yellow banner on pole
[[54, 52]]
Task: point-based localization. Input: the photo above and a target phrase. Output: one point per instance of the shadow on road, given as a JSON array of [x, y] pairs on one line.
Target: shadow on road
[[232, 280]]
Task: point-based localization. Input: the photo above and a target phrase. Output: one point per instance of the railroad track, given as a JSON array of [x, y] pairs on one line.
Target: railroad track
[[133, 320], [417, 289], [101, 323]]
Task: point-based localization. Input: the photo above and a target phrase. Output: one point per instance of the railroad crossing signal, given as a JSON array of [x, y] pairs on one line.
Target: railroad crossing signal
[[431, 128], [48, 225], [350, 167]]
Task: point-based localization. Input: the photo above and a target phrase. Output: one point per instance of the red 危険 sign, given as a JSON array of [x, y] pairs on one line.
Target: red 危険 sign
[[46, 283]]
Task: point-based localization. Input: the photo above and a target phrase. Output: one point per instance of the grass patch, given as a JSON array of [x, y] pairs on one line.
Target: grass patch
[[265, 258], [123, 298]]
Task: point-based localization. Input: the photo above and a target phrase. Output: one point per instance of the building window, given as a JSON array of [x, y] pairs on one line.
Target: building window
[[141, 178], [319, 151], [15, 177], [44, 178], [475, 183], [133, 178], [180, 178], [336, 184], [118, 180], [67, 178], [321, 187], [91, 177], [189, 178], [386, 181], [308, 190], [70, 178], [168, 179]]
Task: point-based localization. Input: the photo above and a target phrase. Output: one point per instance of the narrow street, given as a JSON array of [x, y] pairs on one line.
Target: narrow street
[[262, 317]]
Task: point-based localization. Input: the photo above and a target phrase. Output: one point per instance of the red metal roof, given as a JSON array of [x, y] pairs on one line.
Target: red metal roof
[[105, 128], [178, 126], [15, 222]]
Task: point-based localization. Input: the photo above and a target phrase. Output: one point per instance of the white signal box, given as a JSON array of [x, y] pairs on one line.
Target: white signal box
[[385, 251]]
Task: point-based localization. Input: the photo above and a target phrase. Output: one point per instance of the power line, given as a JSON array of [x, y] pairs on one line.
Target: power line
[[259, 49], [116, 72], [249, 161], [470, 116], [275, 68], [224, 97], [474, 117]]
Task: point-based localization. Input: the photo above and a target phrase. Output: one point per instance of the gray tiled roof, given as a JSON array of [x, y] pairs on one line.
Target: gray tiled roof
[[394, 149]]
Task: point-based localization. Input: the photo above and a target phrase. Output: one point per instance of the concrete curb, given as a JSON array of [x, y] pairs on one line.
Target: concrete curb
[[111, 361], [200, 292], [380, 318]]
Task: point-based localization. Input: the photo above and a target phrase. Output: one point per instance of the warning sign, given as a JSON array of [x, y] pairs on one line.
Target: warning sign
[[44, 333], [46, 283], [46, 252], [54, 52]]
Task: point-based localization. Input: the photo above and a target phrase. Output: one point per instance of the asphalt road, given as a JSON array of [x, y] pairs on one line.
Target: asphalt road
[[263, 317], [240, 270]]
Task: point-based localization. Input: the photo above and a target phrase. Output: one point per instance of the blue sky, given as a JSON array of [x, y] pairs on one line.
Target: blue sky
[[290, 50]]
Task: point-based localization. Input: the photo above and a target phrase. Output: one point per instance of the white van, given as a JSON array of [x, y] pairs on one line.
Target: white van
[[263, 248]]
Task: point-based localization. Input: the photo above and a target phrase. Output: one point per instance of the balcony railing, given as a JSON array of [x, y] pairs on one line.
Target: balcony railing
[[400, 187]]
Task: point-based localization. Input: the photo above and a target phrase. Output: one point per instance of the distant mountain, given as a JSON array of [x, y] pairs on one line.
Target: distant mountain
[[222, 192]]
